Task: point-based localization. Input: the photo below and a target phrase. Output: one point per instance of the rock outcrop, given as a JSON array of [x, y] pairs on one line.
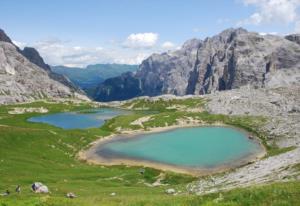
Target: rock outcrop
[[231, 59], [23, 79], [293, 38], [4, 37]]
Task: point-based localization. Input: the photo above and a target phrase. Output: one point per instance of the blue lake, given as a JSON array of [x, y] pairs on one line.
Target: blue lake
[[78, 120], [203, 147]]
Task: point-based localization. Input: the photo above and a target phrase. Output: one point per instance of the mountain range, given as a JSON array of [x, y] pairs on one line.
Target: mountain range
[[90, 77], [232, 59]]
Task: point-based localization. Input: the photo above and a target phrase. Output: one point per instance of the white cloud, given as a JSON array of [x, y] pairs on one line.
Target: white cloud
[[21, 45], [57, 52], [77, 48], [272, 11], [141, 40], [168, 45], [267, 33]]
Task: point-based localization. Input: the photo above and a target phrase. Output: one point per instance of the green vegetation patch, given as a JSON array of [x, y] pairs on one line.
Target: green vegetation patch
[[33, 152], [164, 105]]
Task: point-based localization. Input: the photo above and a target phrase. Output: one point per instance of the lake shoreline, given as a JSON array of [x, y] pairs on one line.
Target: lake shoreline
[[91, 157]]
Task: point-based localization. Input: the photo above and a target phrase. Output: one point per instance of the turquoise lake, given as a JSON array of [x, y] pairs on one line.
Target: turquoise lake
[[203, 147], [78, 120]]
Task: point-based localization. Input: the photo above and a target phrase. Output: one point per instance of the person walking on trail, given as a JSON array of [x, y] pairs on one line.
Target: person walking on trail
[[18, 189]]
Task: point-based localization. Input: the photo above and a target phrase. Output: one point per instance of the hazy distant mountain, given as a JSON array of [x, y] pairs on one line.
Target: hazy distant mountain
[[231, 59], [90, 77], [24, 76]]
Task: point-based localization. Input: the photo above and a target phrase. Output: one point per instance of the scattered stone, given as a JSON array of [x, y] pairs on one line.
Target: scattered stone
[[170, 191], [71, 195], [271, 169], [38, 187]]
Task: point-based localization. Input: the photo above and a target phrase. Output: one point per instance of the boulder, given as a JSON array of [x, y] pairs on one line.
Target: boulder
[[170, 191], [39, 187], [71, 195]]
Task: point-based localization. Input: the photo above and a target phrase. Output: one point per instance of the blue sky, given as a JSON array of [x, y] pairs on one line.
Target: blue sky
[[77, 32]]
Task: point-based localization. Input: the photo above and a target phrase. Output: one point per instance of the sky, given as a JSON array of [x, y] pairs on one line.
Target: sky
[[81, 32]]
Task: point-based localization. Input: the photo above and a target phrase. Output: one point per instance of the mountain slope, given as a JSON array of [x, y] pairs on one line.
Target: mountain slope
[[22, 79], [159, 74], [90, 77], [32, 55], [232, 59]]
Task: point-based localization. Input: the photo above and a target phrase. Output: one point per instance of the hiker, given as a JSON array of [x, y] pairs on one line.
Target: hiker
[[18, 189]]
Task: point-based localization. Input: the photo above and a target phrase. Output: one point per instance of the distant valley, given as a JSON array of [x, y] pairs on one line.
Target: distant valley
[[90, 77]]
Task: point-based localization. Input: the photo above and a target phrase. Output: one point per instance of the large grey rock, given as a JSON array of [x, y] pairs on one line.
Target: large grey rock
[[231, 59], [39, 187]]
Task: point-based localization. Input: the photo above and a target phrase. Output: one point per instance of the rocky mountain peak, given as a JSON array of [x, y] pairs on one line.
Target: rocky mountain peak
[[33, 55], [25, 76], [4, 37], [231, 59], [192, 44], [227, 35]]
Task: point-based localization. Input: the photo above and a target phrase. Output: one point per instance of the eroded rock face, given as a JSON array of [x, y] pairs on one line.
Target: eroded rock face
[[237, 58], [229, 60], [22, 80], [168, 73], [294, 38]]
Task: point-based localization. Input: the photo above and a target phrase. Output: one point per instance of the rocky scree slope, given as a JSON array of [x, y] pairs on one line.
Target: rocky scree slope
[[229, 60], [281, 107], [25, 77]]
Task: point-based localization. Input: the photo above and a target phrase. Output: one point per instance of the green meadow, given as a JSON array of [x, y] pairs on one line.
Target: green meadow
[[35, 152]]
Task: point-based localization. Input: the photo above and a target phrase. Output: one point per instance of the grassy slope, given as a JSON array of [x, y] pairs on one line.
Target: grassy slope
[[38, 152]]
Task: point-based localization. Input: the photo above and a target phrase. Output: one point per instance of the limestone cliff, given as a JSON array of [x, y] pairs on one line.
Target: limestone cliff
[[232, 59]]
